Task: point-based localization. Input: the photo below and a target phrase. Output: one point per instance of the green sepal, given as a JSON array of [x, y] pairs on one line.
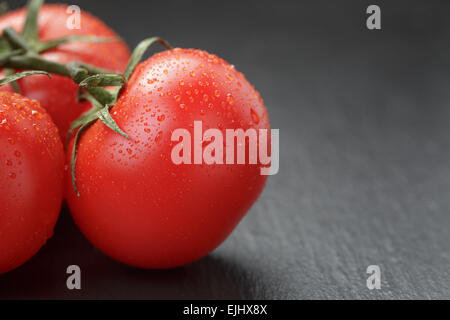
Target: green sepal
[[139, 51], [16, 41], [4, 45], [104, 115], [20, 75], [13, 84], [30, 30], [102, 95], [86, 117], [73, 157], [103, 80]]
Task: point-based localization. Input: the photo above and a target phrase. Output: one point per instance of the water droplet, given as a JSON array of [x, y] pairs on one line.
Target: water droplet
[[12, 175], [181, 83], [161, 117], [230, 98], [192, 74], [17, 153], [182, 105], [255, 117], [205, 97], [158, 136], [177, 97], [217, 93], [9, 163], [11, 141]]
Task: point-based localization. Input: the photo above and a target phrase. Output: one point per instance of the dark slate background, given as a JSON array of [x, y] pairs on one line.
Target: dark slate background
[[365, 155]]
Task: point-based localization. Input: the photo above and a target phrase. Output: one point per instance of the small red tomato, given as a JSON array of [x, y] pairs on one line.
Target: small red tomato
[[135, 204], [31, 179], [58, 94]]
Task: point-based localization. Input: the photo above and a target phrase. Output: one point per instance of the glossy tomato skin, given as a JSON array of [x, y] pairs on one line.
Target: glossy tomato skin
[[31, 179], [58, 95], [135, 204]]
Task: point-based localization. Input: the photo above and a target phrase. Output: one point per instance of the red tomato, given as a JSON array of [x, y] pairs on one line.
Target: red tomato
[[58, 95], [31, 179], [135, 204]]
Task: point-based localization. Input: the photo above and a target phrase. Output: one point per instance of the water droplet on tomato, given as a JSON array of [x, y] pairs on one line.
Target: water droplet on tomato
[[230, 98], [255, 117], [158, 136]]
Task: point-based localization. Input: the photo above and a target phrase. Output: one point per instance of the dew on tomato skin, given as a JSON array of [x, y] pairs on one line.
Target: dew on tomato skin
[[11, 141], [255, 117], [217, 93], [17, 153], [181, 83], [161, 118], [230, 98], [158, 136], [12, 175], [192, 74], [9, 163]]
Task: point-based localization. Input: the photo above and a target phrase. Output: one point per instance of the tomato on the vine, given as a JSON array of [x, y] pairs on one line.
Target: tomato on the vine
[[58, 95], [31, 179], [135, 204]]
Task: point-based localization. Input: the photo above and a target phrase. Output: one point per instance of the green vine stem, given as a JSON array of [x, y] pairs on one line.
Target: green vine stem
[[21, 52]]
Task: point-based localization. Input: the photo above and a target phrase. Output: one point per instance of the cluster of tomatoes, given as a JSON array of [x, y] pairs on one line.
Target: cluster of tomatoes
[[134, 203]]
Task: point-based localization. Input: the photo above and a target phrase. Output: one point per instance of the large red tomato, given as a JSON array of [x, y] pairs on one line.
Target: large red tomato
[[31, 179], [135, 204], [58, 95]]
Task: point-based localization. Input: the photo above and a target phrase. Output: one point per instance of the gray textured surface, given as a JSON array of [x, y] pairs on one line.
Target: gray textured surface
[[365, 156]]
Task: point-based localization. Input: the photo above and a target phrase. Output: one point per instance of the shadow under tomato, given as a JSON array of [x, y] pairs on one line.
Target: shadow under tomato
[[217, 276]]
